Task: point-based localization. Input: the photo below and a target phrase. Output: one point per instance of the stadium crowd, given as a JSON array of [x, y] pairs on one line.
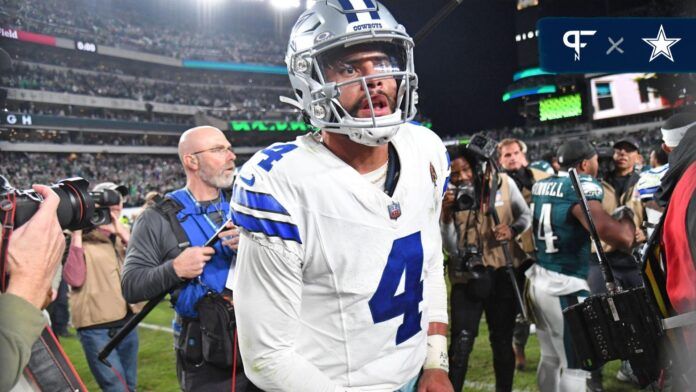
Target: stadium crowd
[[140, 173], [31, 107], [109, 85], [90, 138], [128, 26], [41, 54]]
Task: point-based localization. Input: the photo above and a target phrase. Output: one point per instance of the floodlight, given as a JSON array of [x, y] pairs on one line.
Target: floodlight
[[285, 4]]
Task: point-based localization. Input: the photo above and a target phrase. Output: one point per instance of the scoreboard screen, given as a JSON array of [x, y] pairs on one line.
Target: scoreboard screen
[[556, 108]]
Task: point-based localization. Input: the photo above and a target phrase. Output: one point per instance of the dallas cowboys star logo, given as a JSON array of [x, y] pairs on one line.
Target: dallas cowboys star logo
[[661, 45]]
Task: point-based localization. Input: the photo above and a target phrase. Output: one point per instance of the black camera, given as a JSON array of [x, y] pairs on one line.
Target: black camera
[[465, 197], [482, 146], [470, 261], [470, 269], [76, 209]]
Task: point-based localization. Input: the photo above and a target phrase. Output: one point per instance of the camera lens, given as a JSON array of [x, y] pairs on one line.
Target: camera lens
[[106, 197], [75, 207]]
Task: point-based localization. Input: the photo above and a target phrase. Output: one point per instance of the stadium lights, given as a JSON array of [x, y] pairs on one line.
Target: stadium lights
[[285, 4]]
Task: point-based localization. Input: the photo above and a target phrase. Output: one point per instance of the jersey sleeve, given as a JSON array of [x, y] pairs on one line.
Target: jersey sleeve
[[435, 278], [262, 203], [591, 188], [268, 301]]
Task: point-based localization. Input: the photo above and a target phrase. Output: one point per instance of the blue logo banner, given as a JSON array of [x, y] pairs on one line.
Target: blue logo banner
[[580, 45]]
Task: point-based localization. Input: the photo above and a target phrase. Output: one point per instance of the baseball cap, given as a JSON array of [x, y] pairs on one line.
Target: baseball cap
[[675, 127], [122, 189], [575, 151], [630, 141]]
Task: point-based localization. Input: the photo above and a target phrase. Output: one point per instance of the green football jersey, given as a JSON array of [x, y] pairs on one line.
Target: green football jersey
[[562, 243]]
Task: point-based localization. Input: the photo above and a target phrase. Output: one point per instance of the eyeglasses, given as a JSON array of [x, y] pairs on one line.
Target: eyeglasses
[[216, 150]]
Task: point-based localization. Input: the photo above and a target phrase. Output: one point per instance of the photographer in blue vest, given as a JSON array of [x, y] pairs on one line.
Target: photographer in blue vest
[[167, 251]]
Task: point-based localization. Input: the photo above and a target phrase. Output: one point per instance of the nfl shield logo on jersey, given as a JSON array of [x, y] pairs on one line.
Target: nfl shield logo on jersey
[[394, 210]]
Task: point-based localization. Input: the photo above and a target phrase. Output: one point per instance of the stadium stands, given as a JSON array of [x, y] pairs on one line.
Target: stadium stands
[[140, 174], [130, 24]]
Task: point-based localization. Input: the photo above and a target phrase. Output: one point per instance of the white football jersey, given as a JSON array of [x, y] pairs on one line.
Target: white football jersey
[[334, 276]]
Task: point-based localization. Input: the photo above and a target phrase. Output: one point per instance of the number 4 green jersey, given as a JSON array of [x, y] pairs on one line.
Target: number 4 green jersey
[[562, 244]]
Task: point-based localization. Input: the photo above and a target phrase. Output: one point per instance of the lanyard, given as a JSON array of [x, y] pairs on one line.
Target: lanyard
[[205, 212]]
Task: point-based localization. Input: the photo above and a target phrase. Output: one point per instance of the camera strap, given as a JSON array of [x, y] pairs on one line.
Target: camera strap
[[168, 208], [9, 206]]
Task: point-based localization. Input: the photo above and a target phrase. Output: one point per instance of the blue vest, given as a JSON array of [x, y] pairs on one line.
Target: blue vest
[[199, 228]]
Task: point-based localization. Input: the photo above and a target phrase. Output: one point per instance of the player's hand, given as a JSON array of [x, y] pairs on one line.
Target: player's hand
[[230, 237], [190, 263], [502, 232], [35, 250], [447, 206], [434, 380]]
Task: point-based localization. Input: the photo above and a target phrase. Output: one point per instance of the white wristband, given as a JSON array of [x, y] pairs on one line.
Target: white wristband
[[436, 356]]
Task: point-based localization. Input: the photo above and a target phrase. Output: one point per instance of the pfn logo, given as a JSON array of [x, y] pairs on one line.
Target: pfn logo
[[576, 44]]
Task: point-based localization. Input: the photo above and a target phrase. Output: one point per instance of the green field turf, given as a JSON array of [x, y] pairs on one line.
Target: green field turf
[[156, 369]]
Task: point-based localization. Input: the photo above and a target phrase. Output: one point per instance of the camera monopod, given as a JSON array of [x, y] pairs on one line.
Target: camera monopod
[[151, 304], [504, 243], [594, 236], [621, 324]]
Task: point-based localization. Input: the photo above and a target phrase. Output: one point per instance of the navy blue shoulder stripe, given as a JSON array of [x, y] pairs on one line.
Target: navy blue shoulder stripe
[[271, 228], [257, 201]]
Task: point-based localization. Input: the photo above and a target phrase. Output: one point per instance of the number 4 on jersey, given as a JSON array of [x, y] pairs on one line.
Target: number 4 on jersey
[[544, 228], [275, 153], [405, 257]]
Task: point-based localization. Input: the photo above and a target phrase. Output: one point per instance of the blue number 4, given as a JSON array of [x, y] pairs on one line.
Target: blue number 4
[[406, 256], [275, 153]]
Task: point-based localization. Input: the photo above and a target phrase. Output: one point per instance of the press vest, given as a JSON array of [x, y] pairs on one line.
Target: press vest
[[99, 300], [198, 227], [526, 239], [629, 198], [482, 225]]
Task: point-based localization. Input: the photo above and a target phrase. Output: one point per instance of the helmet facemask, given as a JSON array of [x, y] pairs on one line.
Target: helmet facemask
[[364, 88]]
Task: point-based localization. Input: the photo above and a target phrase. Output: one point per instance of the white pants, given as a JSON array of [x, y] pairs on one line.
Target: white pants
[[557, 369]]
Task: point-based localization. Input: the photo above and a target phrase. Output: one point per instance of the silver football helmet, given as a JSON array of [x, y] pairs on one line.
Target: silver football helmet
[[355, 48]]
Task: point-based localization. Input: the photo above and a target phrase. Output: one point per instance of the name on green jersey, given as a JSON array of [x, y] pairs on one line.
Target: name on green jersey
[[547, 189]]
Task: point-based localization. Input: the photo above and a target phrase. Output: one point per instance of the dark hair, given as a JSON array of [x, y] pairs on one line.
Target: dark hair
[[461, 151], [549, 156], [660, 155]]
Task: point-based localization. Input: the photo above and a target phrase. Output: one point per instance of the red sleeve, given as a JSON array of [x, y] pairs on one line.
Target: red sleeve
[[74, 271]]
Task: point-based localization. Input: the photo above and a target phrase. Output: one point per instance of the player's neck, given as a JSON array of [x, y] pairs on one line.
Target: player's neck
[[364, 159], [202, 191]]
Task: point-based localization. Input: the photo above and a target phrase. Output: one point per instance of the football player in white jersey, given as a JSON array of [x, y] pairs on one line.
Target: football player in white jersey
[[339, 280]]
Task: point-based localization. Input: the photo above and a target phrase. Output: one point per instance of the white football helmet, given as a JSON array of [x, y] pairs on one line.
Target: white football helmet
[[322, 44]]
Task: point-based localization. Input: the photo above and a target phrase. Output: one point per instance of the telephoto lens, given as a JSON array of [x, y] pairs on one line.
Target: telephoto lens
[[75, 208]]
